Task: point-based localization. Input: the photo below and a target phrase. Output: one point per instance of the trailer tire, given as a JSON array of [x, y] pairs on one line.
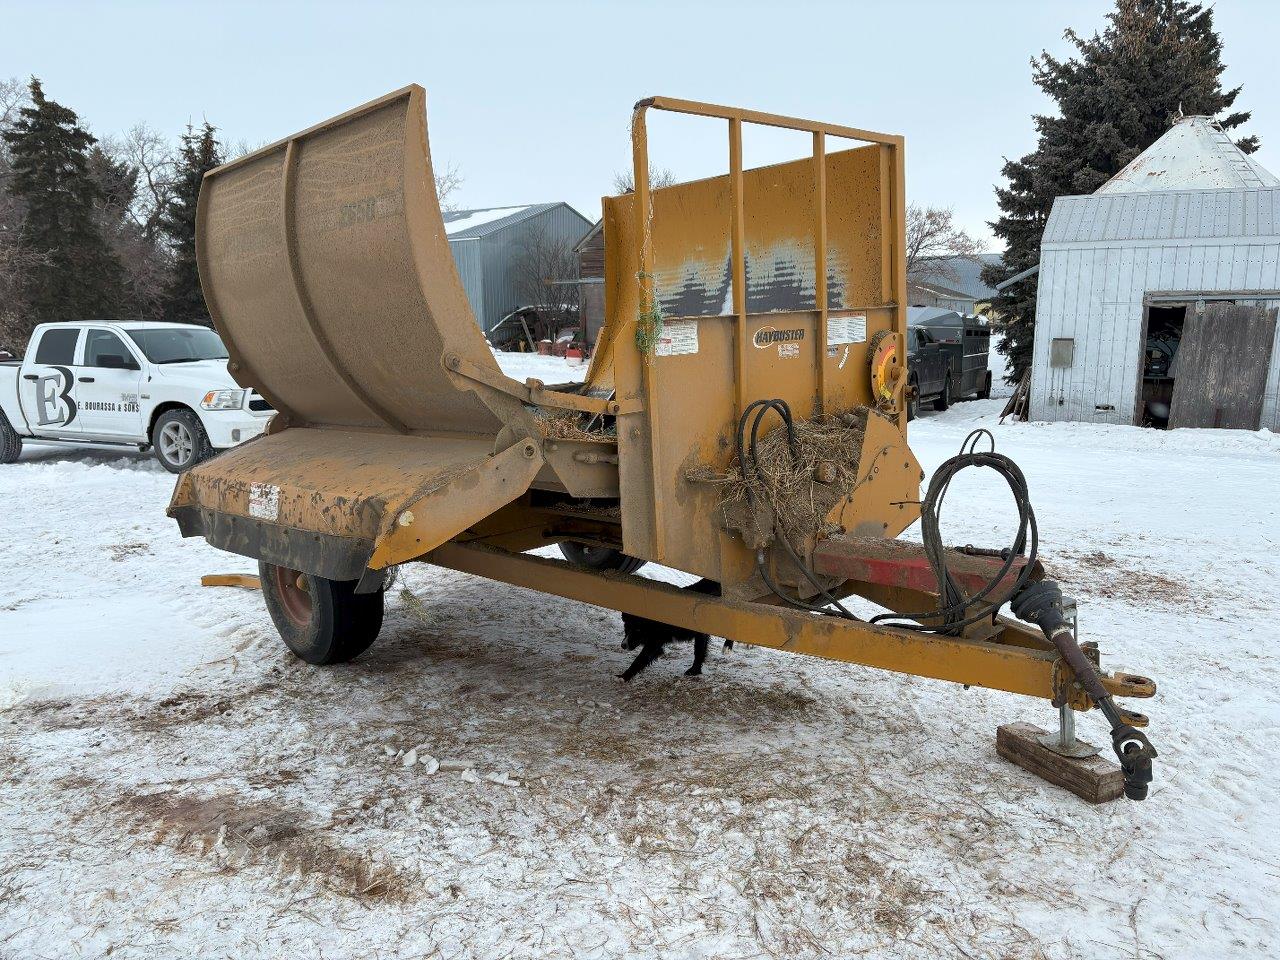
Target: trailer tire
[[179, 440], [10, 442], [599, 558], [985, 392], [321, 621], [944, 398]]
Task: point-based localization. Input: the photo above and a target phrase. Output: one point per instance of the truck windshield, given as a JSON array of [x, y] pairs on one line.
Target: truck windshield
[[179, 344]]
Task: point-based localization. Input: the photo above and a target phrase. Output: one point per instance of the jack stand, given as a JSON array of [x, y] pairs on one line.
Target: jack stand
[[1064, 742], [1061, 759]]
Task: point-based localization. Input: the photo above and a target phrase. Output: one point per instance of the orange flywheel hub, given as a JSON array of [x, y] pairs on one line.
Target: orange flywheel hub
[[886, 369]]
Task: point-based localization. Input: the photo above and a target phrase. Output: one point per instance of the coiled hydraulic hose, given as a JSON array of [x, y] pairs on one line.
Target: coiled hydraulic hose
[[956, 611]]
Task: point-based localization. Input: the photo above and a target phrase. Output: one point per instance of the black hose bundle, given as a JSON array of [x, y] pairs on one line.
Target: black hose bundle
[[955, 610]]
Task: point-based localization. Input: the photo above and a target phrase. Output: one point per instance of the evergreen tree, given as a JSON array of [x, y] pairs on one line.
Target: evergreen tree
[[1155, 60], [77, 276], [199, 153]]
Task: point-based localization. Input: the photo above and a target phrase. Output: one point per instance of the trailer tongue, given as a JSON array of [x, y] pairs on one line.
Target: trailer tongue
[[742, 420]]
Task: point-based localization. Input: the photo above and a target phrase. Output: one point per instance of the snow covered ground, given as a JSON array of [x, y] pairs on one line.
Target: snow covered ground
[[176, 784]]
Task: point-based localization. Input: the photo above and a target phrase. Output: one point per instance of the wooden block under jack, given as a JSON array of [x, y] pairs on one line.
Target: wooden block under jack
[[246, 580], [1091, 778]]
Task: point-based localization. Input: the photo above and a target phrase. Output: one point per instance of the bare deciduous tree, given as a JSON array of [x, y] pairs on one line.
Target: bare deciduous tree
[[16, 256], [14, 94], [241, 148], [16, 261], [123, 212], [151, 154], [448, 181], [624, 181], [546, 275], [933, 240]]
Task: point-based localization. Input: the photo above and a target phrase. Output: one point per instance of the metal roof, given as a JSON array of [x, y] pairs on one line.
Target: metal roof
[[1177, 215], [473, 224], [937, 290], [966, 275], [599, 225], [958, 275], [1193, 154]]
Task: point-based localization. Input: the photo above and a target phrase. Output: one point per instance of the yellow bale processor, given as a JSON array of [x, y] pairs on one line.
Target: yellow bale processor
[[742, 419]]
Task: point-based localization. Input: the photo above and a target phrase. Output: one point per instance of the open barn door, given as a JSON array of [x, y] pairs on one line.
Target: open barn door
[[1222, 365]]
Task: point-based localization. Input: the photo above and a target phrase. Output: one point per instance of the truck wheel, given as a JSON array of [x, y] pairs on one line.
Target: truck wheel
[[944, 398], [913, 399], [10, 442], [321, 621], [599, 558], [179, 440], [985, 392]]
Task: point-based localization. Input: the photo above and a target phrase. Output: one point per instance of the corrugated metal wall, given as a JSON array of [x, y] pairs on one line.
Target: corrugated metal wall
[[487, 264], [1102, 258], [467, 254]]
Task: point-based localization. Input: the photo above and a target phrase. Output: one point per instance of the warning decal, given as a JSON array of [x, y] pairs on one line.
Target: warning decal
[[264, 501], [678, 338], [847, 329]]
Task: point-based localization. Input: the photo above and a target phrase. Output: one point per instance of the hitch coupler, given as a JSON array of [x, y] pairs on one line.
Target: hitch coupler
[[1041, 604]]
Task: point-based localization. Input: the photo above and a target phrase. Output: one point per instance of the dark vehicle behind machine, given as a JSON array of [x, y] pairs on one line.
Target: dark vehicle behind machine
[[946, 357]]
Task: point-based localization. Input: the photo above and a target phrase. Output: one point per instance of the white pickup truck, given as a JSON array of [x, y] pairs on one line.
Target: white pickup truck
[[163, 386]]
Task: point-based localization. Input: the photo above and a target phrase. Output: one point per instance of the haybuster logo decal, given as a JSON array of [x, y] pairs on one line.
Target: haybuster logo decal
[[52, 393], [766, 336]]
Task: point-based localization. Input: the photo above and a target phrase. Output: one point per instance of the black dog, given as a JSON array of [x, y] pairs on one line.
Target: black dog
[[652, 636]]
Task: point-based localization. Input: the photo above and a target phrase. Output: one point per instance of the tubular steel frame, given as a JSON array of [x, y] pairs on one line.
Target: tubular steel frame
[[819, 132]]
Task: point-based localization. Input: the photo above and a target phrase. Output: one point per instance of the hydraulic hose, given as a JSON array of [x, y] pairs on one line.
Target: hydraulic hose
[[955, 611]]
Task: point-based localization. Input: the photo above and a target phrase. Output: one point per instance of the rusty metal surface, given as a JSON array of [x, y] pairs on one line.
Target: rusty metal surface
[[325, 265], [453, 501], [372, 496], [897, 563], [337, 482]]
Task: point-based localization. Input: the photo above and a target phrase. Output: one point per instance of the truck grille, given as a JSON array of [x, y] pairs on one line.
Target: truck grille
[[258, 405]]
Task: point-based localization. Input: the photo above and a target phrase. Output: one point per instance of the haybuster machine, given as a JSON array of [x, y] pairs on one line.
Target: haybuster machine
[[742, 420]]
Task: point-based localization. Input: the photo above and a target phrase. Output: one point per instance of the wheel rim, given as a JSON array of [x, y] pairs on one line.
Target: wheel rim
[[176, 442], [295, 600]]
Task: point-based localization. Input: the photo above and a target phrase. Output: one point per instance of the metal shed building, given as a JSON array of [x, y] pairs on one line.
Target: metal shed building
[[487, 244], [1184, 242]]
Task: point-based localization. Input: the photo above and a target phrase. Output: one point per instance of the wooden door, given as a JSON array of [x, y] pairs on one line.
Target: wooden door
[[1221, 366]]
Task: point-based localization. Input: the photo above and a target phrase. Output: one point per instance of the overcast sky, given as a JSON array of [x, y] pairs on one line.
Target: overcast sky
[[531, 101]]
